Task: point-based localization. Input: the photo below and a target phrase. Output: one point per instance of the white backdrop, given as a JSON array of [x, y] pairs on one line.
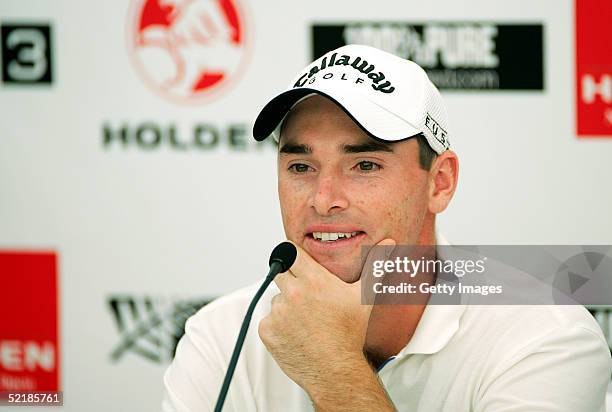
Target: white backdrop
[[179, 225]]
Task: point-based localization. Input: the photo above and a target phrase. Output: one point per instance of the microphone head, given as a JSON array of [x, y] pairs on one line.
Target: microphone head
[[285, 254]]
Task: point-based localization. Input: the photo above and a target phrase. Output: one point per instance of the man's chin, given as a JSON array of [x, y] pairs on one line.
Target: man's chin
[[345, 272], [341, 265]]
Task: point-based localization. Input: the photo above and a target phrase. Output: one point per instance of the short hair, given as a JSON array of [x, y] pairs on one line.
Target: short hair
[[426, 154]]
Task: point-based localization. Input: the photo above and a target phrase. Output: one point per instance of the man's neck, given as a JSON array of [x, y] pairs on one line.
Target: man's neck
[[390, 329], [392, 326]]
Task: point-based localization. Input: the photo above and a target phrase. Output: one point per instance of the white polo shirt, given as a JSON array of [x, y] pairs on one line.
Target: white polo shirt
[[461, 358]]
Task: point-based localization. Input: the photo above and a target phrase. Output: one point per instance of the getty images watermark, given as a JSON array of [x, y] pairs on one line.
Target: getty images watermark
[[488, 275]]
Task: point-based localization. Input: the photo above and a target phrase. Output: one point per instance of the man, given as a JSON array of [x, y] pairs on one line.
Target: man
[[350, 175]]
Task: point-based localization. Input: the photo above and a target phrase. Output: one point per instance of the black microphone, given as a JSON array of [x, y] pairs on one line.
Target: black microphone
[[281, 259]]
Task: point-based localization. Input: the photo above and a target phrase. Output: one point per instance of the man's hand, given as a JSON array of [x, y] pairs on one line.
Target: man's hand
[[317, 326]]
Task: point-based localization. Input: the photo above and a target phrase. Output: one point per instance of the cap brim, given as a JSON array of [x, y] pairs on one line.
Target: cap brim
[[376, 121]]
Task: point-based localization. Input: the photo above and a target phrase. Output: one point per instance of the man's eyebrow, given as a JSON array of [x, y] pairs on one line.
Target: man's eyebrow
[[373, 146], [292, 148]]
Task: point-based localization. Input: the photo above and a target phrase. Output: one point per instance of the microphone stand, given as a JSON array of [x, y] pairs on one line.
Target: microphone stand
[[275, 268]]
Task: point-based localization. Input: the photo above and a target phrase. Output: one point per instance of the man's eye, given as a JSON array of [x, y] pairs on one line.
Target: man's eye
[[367, 166], [299, 168]]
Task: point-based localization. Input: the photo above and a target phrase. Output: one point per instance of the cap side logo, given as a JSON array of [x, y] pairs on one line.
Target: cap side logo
[[436, 130], [378, 78]]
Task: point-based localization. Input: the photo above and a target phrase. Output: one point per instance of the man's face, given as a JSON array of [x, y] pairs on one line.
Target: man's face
[[334, 180]]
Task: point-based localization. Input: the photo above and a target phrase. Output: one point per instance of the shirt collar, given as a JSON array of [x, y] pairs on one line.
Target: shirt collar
[[437, 326]]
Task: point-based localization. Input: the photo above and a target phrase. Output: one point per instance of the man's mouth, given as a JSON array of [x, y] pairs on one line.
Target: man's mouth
[[328, 237], [333, 236]]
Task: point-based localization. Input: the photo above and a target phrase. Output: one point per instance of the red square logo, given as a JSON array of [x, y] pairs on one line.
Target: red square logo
[[594, 68], [29, 345]]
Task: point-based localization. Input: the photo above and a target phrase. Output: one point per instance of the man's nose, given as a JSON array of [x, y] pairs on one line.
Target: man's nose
[[329, 197]]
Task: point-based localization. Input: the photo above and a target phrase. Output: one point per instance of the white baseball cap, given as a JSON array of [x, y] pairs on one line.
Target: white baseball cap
[[390, 98]]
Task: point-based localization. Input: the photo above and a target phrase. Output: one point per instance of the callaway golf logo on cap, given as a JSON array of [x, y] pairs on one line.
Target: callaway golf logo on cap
[[390, 98], [358, 63]]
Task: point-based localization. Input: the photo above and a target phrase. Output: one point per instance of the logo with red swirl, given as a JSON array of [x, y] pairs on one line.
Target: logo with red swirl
[[188, 50]]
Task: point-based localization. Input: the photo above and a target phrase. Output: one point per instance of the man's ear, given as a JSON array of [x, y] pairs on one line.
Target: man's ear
[[443, 180]]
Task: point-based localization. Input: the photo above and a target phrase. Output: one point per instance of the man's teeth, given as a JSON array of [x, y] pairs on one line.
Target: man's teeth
[[332, 236]]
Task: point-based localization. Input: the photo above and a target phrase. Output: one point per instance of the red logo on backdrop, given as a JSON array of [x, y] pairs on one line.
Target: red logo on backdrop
[[187, 49], [594, 68], [29, 349]]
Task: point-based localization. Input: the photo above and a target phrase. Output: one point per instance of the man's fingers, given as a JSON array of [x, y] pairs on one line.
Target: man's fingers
[[282, 279], [305, 266], [276, 298], [377, 255]]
